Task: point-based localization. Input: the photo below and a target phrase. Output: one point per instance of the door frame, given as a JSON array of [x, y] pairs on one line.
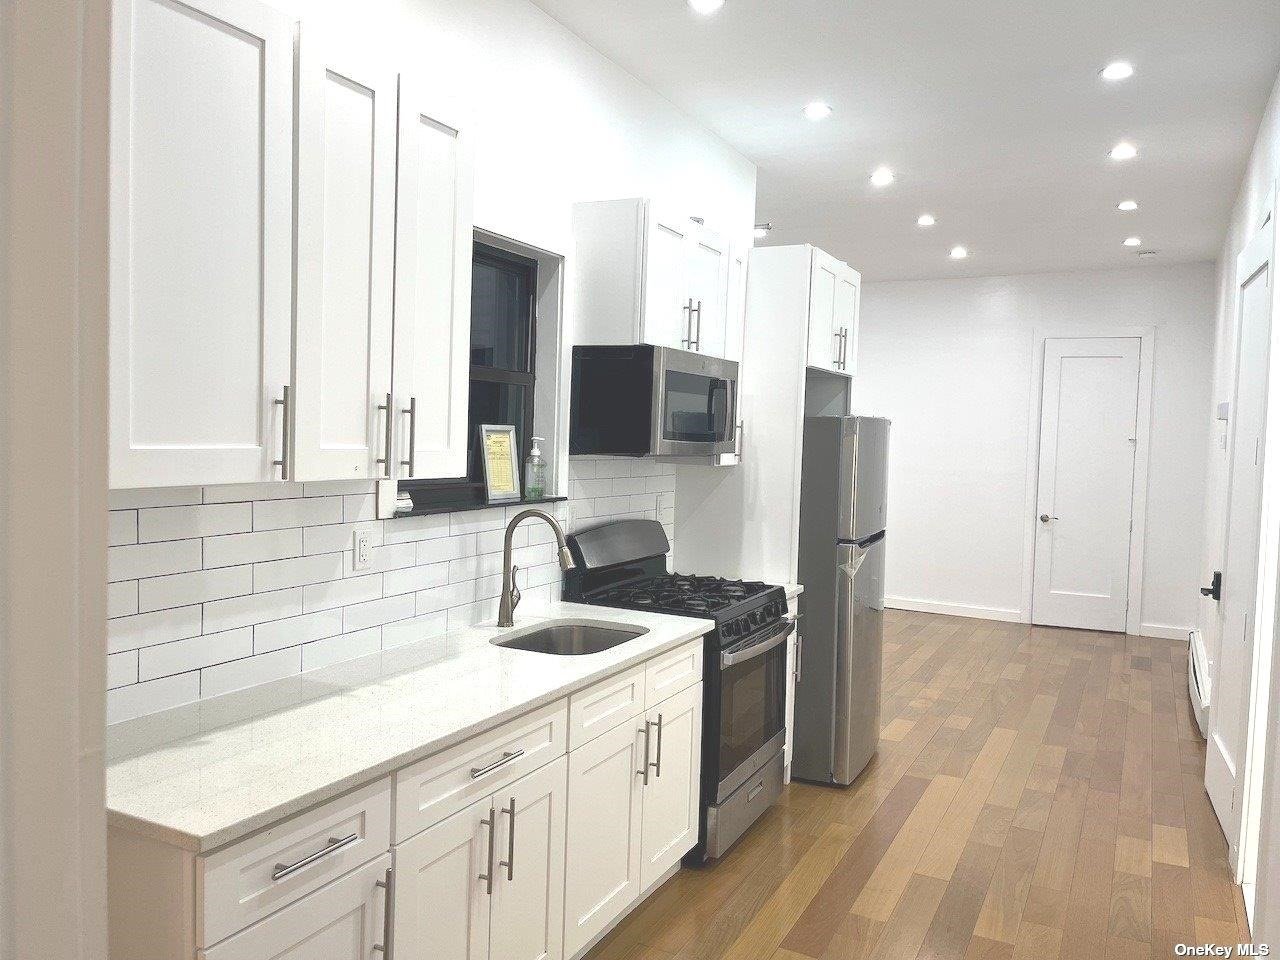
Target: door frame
[[1141, 462], [1267, 598]]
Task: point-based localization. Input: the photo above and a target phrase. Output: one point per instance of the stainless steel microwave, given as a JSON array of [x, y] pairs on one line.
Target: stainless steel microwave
[[648, 401]]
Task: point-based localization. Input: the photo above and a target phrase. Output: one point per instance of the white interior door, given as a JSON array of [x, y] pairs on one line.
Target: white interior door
[[1084, 498], [1229, 711], [346, 235], [201, 226]]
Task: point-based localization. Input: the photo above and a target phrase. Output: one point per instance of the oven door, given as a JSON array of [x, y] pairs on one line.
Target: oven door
[[753, 697], [694, 404]]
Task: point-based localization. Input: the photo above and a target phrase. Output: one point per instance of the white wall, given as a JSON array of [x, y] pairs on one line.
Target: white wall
[[950, 362]]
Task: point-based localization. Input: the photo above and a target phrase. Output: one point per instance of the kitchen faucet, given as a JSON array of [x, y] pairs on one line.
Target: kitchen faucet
[[510, 592]]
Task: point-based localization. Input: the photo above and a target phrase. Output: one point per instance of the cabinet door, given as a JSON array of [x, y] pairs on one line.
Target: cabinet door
[[342, 921], [667, 296], [432, 288], [346, 232], [442, 905], [527, 921], [794, 651], [201, 258], [602, 854], [671, 798], [736, 325], [709, 287], [847, 301], [824, 339]]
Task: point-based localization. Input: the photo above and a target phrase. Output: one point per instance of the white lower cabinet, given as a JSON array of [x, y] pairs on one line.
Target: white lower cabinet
[[342, 921], [671, 797], [487, 883]]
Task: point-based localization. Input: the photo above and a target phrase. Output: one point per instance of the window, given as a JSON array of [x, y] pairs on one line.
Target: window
[[503, 335]]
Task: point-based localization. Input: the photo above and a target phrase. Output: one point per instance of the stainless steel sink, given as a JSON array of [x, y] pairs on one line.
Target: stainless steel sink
[[569, 638]]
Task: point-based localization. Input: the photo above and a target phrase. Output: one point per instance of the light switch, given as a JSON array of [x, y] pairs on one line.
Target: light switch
[[363, 550]]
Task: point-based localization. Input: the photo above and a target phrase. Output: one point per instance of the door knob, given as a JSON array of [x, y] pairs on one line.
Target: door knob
[[1045, 518]]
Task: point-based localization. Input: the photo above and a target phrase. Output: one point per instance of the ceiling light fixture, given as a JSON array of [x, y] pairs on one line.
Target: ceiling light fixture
[[1124, 151], [1127, 205], [817, 110], [959, 253], [925, 220], [1133, 241], [762, 230], [881, 177], [706, 7], [1120, 70]]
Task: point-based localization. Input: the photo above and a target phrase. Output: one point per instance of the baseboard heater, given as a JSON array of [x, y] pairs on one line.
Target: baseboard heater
[[1198, 685]]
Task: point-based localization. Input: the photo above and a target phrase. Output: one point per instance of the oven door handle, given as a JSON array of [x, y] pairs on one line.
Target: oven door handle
[[756, 648]]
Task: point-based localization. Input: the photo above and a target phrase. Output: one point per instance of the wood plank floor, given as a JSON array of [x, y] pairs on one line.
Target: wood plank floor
[[1037, 794]]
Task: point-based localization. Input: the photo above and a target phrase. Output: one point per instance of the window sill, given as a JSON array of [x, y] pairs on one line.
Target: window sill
[[466, 507]]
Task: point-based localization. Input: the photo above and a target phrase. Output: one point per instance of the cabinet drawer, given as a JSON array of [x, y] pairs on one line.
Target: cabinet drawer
[[673, 672], [601, 707], [440, 786], [235, 886]]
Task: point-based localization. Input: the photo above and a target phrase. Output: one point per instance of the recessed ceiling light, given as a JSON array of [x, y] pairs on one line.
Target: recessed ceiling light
[[959, 253], [1124, 151], [1127, 205], [1120, 70], [817, 110], [1133, 241], [881, 177], [706, 7], [762, 230], [925, 220]]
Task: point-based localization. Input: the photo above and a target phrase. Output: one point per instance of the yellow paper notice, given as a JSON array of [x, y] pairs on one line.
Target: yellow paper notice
[[499, 457]]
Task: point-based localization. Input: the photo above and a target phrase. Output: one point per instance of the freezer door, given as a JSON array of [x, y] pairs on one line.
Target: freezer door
[[863, 476], [859, 656]]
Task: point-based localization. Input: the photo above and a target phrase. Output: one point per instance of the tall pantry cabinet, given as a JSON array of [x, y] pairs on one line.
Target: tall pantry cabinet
[[257, 289]]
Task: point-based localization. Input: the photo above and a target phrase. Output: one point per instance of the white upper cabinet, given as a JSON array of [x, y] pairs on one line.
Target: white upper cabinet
[[346, 231], [833, 314], [201, 244], [647, 274], [432, 288]]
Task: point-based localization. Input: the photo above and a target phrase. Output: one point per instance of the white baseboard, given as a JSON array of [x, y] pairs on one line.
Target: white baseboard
[[954, 609], [1164, 631]]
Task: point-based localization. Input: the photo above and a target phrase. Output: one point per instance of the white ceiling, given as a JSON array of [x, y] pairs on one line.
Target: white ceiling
[[991, 112]]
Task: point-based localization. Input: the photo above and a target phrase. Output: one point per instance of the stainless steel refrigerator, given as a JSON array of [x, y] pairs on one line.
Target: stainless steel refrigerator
[[843, 483]]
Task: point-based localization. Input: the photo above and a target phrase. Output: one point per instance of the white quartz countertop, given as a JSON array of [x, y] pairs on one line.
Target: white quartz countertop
[[793, 590], [210, 773]]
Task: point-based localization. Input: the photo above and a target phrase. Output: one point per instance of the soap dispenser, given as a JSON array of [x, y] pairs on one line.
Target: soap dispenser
[[535, 472]]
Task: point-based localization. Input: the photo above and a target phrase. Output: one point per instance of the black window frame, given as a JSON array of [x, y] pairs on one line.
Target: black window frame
[[469, 491]]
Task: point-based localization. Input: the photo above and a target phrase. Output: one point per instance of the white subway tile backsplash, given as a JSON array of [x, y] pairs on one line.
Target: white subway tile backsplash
[[152, 559], [203, 631], [205, 520], [375, 613], [254, 608], [238, 548], [181, 656], [181, 589], [261, 668], [312, 511], [148, 629], [340, 593], [280, 574], [278, 634], [122, 527]]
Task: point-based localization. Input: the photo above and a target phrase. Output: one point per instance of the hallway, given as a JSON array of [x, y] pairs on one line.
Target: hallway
[[1038, 794]]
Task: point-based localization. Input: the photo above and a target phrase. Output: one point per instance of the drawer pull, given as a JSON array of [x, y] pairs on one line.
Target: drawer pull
[[335, 844], [507, 757]]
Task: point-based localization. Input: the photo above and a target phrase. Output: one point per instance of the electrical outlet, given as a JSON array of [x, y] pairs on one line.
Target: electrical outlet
[[363, 550]]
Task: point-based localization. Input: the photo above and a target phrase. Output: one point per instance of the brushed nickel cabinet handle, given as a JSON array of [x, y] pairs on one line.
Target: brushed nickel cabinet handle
[[502, 761], [389, 423], [490, 822], [283, 462], [657, 764], [644, 767], [412, 411], [509, 863], [695, 333], [687, 340], [384, 947], [335, 844]]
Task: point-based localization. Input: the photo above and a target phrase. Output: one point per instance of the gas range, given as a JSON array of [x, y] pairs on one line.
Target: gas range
[[624, 564]]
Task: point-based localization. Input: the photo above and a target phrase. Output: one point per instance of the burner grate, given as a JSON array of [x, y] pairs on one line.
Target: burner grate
[[684, 593]]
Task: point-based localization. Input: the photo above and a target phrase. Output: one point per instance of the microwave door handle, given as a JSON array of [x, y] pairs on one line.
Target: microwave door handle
[[740, 654]]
